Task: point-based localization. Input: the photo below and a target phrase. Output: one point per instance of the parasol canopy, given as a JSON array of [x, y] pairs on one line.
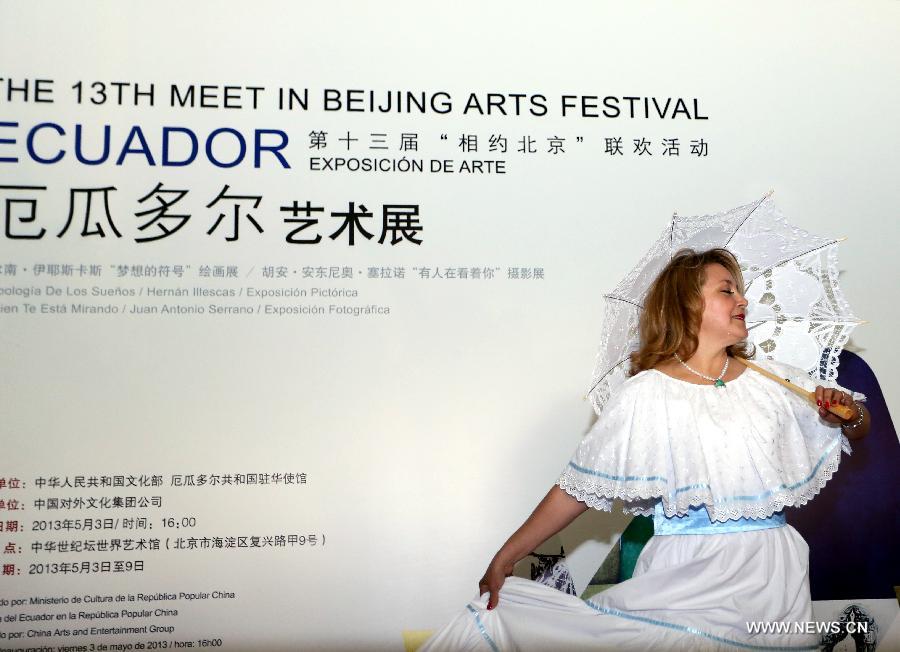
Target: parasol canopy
[[797, 313]]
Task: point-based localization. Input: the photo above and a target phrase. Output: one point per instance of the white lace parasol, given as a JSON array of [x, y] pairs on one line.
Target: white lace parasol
[[796, 313]]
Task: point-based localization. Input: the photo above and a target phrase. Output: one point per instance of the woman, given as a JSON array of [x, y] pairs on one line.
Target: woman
[[711, 449]]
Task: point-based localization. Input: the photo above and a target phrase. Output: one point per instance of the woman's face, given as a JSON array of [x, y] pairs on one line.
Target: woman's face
[[724, 308]]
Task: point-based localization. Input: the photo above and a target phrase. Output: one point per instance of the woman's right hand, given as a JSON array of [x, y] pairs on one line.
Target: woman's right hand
[[554, 512], [493, 579]]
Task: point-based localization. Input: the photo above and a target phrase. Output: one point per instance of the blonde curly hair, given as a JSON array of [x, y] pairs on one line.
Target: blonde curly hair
[[673, 309]]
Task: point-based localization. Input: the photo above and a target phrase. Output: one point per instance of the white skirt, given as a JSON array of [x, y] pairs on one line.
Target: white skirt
[[689, 592]]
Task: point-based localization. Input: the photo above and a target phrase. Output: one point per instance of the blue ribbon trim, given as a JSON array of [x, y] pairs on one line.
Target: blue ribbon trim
[[623, 478], [484, 634], [703, 485], [692, 630], [697, 521], [651, 621]]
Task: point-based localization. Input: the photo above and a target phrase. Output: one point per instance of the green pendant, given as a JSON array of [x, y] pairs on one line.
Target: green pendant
[[720, 383]]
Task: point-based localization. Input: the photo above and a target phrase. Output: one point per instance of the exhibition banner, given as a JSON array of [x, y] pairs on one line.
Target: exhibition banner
[[299, 302]]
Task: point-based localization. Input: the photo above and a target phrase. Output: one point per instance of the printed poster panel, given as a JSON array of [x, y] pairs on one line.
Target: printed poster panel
[[298, 304]]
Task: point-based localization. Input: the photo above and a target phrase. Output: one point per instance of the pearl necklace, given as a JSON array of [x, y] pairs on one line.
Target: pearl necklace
[[718, 382]]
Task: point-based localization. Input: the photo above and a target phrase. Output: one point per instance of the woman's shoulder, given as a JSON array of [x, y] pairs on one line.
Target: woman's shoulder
[[784, 370], [647, 381], [635, 387], [803, 378]]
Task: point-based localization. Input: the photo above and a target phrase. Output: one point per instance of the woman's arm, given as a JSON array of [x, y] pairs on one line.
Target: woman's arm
[[554, 512]]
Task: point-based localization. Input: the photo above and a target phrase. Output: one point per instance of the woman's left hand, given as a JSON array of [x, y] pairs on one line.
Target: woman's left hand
[[827, 396], [857, 426]]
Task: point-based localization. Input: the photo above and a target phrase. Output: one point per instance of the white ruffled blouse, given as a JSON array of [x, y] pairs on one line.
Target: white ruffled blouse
[[745, 450]]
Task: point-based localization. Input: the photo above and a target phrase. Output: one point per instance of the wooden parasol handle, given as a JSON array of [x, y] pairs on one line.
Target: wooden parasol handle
[[843, 411]]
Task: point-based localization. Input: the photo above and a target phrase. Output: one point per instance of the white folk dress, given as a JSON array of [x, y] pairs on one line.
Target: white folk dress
[[714, 467]]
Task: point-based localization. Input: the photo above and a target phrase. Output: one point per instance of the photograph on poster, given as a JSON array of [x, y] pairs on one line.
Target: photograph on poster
[[305, 308]]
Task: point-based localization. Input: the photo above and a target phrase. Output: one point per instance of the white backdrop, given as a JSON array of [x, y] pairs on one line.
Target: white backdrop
[[428, 428]]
